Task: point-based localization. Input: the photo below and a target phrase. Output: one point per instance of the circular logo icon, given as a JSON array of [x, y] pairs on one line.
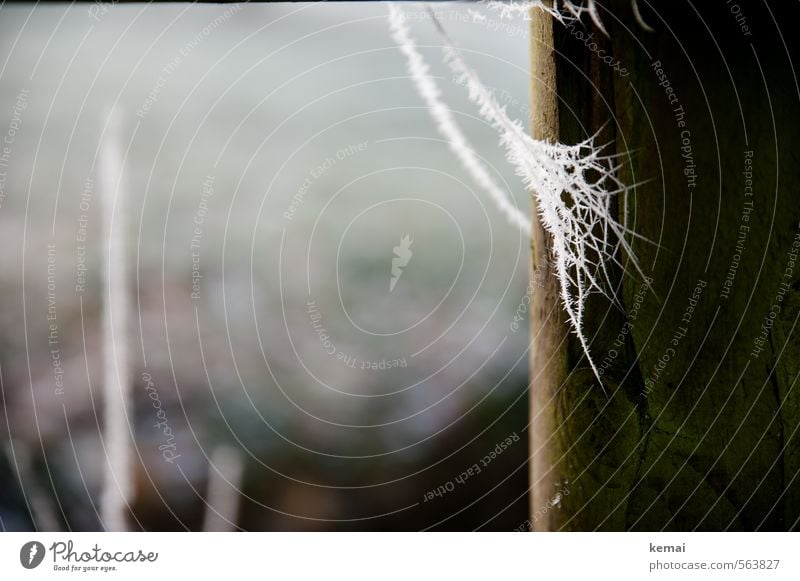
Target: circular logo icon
[[31, 554]]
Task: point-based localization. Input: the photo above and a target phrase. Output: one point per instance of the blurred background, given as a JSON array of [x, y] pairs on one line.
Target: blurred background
[[274, 160]]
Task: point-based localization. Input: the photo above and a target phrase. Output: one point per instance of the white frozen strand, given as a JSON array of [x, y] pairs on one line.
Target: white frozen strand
[[569, 10], [508, 10], [572, 207], [637, 14], [592, 9], [446, 123]]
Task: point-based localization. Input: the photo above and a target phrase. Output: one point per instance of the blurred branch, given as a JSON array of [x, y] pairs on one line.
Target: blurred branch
[[224, 480], [118, 486]]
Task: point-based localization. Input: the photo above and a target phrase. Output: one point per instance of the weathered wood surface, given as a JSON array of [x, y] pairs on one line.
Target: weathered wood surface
[[700, 428]]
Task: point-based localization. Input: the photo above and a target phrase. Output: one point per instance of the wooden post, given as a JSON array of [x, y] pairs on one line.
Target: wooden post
[[549, 332]]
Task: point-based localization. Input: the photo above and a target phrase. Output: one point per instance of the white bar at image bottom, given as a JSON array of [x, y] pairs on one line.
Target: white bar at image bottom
[[401, 556]]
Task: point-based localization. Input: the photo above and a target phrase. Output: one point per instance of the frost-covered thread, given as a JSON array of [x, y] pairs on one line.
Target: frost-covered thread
[[573, 185], [446, 123], [563, 10]]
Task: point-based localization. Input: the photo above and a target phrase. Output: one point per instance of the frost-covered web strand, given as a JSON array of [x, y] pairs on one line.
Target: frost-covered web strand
[[573, 185], [511, 10], [446, 124], [563, 11], [637, 14]]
